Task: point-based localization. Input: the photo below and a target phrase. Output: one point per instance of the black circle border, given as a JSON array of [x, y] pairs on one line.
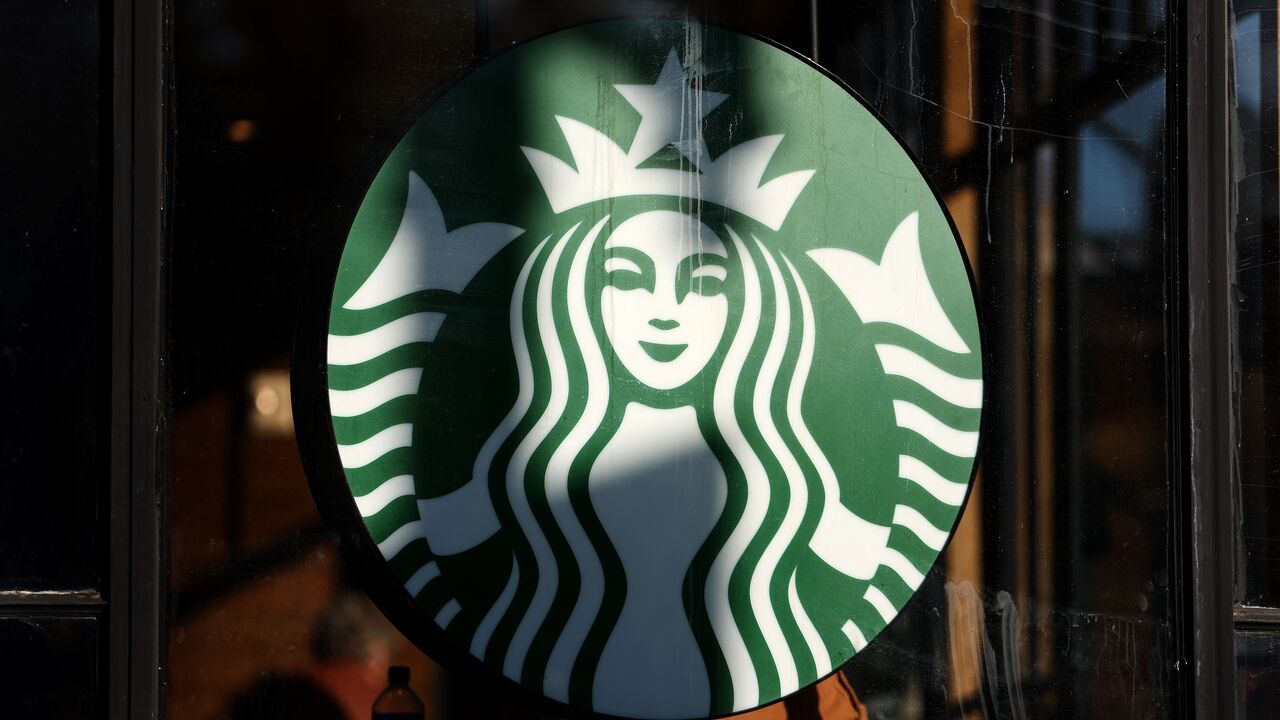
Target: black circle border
[[313, 421]]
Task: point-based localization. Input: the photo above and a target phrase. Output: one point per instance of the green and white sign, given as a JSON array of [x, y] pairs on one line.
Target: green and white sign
[[654, 370]]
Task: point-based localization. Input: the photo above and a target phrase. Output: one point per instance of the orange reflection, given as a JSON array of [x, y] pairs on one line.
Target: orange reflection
[[241, 130], [831, 699]]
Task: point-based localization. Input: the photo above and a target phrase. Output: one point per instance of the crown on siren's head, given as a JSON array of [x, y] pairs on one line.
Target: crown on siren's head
[[671, 112]]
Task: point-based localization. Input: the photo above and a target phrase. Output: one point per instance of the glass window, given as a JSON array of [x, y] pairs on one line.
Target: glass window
[[1255, 166], [1044, 127], [1258, 660], [1256, 169], [49, 668], [54, 302], [1052, 151]]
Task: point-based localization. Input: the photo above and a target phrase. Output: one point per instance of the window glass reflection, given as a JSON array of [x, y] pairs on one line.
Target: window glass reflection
[[55, 303], [49, 667], [1042, 125], [1256, 159], [1258, 663]]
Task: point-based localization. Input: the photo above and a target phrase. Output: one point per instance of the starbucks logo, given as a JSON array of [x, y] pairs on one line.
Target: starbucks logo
[[652, 371]]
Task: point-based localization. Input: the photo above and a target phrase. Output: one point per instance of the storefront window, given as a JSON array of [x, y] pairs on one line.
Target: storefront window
[[1044, 127]]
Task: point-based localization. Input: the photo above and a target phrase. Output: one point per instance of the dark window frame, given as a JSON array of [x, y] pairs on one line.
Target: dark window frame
[[1203, 297], [138, 397]]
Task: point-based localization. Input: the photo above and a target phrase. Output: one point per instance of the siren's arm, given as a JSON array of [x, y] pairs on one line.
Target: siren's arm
[[459, 521], [848, 543]]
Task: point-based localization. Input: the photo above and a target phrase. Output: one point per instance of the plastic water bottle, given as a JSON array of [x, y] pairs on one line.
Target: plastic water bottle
[[398, 702]]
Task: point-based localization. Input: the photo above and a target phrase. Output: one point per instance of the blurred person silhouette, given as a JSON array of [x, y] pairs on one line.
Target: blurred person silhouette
[[351, 648]]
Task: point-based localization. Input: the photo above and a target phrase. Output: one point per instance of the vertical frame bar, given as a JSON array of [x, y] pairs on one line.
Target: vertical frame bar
[[138, 396], [117, 635], [1205, 256], [815, 27]]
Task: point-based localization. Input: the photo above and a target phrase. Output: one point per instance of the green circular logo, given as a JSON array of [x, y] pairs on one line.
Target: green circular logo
[[654, 370]]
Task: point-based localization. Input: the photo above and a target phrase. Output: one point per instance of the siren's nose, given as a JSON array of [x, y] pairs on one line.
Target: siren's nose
[[662, 324]]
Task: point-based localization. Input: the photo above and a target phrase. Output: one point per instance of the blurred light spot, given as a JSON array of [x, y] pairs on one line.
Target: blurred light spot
[[267, 401], [272, 413], [241, 130]]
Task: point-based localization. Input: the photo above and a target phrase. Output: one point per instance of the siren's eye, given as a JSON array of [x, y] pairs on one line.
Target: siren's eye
[[703, 274], [629, 269]]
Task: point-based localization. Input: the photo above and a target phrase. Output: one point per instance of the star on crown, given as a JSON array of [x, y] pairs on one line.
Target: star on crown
[[671, 111]]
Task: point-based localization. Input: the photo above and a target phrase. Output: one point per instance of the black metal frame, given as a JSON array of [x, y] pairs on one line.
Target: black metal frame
[[138, 387], [1202, 298]]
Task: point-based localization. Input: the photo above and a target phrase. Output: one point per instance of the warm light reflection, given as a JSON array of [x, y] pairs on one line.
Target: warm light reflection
[[963, 206], [958, 77], [267, 401], [241, 130], [271, 414]]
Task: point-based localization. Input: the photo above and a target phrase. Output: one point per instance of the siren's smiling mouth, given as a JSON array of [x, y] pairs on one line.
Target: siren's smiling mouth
[[663, 352]]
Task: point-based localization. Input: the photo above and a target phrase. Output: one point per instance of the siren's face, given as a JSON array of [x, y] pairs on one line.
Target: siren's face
[[663, 303]]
